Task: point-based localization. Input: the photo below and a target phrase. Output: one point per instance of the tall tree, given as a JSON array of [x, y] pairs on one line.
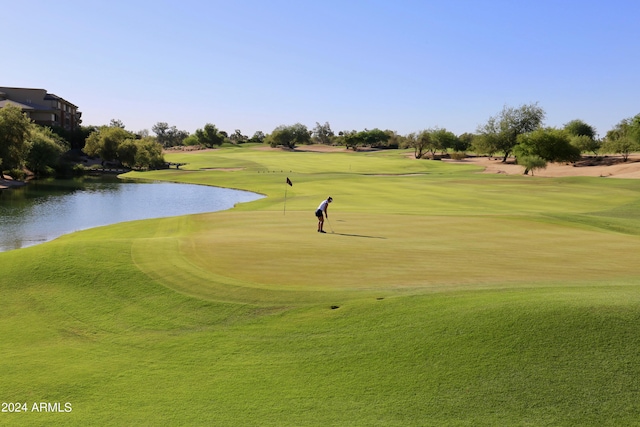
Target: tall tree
[[169, 136], [428, 142], [502, 130], [583, 136], [419, 142], [635, 128], [351, 139], [237, 137], [289, 136], [624, 138], [210, 136], [15, 129], [465, 142], [374, 137], [444, 139], [45, 152], [579, 128], [105, 142], [586, 144], [142, 153], [484, 144], [160, 129], [394, 139], [322, 134], [148, 154], [550, 145], [116, 123], [176, 136], [76, 136], [258, 136]]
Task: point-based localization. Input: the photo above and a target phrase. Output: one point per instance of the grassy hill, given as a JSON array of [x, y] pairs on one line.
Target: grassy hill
[[442, 297]]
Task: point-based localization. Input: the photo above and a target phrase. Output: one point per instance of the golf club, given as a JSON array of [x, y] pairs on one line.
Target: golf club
[[330, 225]]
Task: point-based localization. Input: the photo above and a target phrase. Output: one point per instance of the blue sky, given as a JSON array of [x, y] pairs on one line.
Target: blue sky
[[253, 65]]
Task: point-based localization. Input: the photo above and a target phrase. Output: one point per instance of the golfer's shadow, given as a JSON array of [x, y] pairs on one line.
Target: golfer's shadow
[[356, 235], [359, 235]]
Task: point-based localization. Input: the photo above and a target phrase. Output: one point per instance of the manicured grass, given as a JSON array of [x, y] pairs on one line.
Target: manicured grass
[[443, 297]]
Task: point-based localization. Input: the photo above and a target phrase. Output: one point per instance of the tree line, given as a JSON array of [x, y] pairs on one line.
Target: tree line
[[24, 144], [517, 132], [26, 147]]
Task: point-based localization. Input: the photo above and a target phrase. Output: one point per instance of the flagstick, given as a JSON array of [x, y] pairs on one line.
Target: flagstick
[[284, 212], [287, 182]]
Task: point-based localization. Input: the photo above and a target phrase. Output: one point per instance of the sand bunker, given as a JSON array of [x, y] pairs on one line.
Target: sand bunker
[[609, 167]]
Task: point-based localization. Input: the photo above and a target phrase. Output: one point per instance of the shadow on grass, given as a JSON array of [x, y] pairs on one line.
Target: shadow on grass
[[358, 235], [355, 235]]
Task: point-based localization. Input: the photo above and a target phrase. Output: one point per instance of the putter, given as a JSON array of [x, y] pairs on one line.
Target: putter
[[329, 221]]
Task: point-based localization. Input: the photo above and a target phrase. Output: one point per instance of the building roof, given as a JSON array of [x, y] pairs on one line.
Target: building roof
[[51, 96], [45, 97], [17, 104]]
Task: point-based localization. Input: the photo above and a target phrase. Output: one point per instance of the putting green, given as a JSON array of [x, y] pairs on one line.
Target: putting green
[[269, 257]]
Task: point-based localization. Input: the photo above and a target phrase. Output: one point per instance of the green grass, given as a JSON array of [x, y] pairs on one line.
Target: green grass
[[463, 299]]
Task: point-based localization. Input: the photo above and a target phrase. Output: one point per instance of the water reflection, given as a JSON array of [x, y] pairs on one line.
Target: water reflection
[[44, 210]]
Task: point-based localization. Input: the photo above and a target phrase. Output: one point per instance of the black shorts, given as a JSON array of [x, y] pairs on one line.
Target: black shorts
[[319, 213]]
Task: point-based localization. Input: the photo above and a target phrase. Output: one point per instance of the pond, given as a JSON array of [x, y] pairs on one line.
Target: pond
[[44, 210]]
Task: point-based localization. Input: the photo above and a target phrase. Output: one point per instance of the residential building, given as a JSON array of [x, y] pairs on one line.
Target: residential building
[[43, 108]]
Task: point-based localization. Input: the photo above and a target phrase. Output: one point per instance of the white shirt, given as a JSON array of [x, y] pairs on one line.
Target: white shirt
[[323, 205]]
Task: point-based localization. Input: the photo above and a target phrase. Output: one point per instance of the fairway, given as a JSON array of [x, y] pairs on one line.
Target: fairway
[[438, 296]]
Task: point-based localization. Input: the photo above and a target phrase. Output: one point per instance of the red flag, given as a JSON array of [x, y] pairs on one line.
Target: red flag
[[289, 182]]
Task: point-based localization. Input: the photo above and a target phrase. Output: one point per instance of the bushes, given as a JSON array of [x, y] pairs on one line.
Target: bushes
[[143, 153]]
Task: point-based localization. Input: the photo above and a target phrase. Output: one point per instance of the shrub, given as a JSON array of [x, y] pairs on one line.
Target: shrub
[[18, 174], [531, 163]]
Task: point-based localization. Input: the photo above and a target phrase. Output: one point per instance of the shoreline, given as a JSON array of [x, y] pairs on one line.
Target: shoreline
[[8, 182]]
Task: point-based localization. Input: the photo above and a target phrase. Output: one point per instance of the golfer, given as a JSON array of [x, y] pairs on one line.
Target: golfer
[[321, 212]]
